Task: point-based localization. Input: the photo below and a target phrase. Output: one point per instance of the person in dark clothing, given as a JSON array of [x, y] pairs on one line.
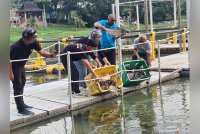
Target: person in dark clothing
[[21, 50], [96, 36], [78, 47]]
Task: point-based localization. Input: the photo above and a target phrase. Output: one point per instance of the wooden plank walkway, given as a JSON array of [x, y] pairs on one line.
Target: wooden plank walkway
[[163, 47], [54, 100]]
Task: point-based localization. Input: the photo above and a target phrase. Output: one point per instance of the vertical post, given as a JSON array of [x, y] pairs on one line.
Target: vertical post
[[113, 9], [174, 38], [146, 15], [120, 63], [152, 39], [151, 15], [44, 16], [123, 115], [179, 24], [159, 70], [184, 39], [117, 12], [119, 39], [138, 17], [69, 78], [59, 71], [168, 39], [175, 24], [188, 27], [25, 18], [174, 13], [73, 124], [118, 23]]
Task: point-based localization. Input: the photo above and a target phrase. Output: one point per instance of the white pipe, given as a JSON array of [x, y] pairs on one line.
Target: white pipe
[[159, 70], [119, 39], [117, 12], [113, 9], [188, 27], [151, 15], [59, 71], [69, 79], [175, 13], [25, 18], [138, 17]]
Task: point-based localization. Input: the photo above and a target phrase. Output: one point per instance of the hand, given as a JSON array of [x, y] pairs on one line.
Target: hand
[[107, 63], [11, 76], [54, 53], [99, 65]]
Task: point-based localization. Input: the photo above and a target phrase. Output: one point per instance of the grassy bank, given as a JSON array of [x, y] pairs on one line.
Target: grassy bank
[[61, 30], [52, 31]]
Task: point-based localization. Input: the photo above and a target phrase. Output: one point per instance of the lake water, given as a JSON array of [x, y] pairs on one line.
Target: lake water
[[160, 109]]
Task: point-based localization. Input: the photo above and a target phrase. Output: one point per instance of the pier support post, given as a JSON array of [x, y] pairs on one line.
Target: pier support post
[[69, 79], [152, 39], [119, 40], [159, 70], [174, 38], [59, 71], [184, 39]]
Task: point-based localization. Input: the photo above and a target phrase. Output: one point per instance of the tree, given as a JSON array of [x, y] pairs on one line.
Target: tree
[[43, 2]]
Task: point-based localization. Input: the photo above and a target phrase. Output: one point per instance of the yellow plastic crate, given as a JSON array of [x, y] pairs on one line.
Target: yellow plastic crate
[[94, 87]]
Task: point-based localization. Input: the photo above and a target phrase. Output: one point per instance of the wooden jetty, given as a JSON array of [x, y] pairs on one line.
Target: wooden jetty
[[164, 48], [51, 99]]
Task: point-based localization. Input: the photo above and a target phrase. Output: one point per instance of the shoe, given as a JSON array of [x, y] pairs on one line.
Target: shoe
[[27, 106], [78, 95], [84, 91], [25, 112]]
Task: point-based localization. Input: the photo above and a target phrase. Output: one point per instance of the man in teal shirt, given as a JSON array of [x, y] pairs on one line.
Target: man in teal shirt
[[107, 40]]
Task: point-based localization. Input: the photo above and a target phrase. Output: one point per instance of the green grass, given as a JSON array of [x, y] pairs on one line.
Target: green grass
[[61, 30], [52, 31], [166, 24]]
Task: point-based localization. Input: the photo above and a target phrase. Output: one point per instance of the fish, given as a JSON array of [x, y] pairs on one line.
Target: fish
[[135, 74]]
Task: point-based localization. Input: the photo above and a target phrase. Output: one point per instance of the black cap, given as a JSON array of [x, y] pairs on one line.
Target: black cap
[[92, 43], [29, 33]]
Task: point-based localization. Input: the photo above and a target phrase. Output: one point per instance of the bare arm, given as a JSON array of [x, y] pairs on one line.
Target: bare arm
[[149, 59], [11, 72], [98, 62], [46, 54], [136, 53], [96, 24], [87, 64], [106, 61]]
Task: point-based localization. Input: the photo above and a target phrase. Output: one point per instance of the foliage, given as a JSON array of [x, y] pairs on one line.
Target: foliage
[[32, 23], [90, 11]]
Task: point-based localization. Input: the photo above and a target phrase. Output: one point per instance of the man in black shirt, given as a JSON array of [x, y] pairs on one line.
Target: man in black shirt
[[21, 50], [78, 47], [96, 36]]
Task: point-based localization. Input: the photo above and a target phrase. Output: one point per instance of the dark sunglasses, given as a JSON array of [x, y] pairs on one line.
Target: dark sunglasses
[[113, 20]]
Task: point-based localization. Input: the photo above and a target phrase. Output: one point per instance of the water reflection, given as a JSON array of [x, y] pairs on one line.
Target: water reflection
[[158, 109], [140, 114], [40, 78]]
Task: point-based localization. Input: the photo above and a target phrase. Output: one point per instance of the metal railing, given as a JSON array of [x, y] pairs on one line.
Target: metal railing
[[68, 54]]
